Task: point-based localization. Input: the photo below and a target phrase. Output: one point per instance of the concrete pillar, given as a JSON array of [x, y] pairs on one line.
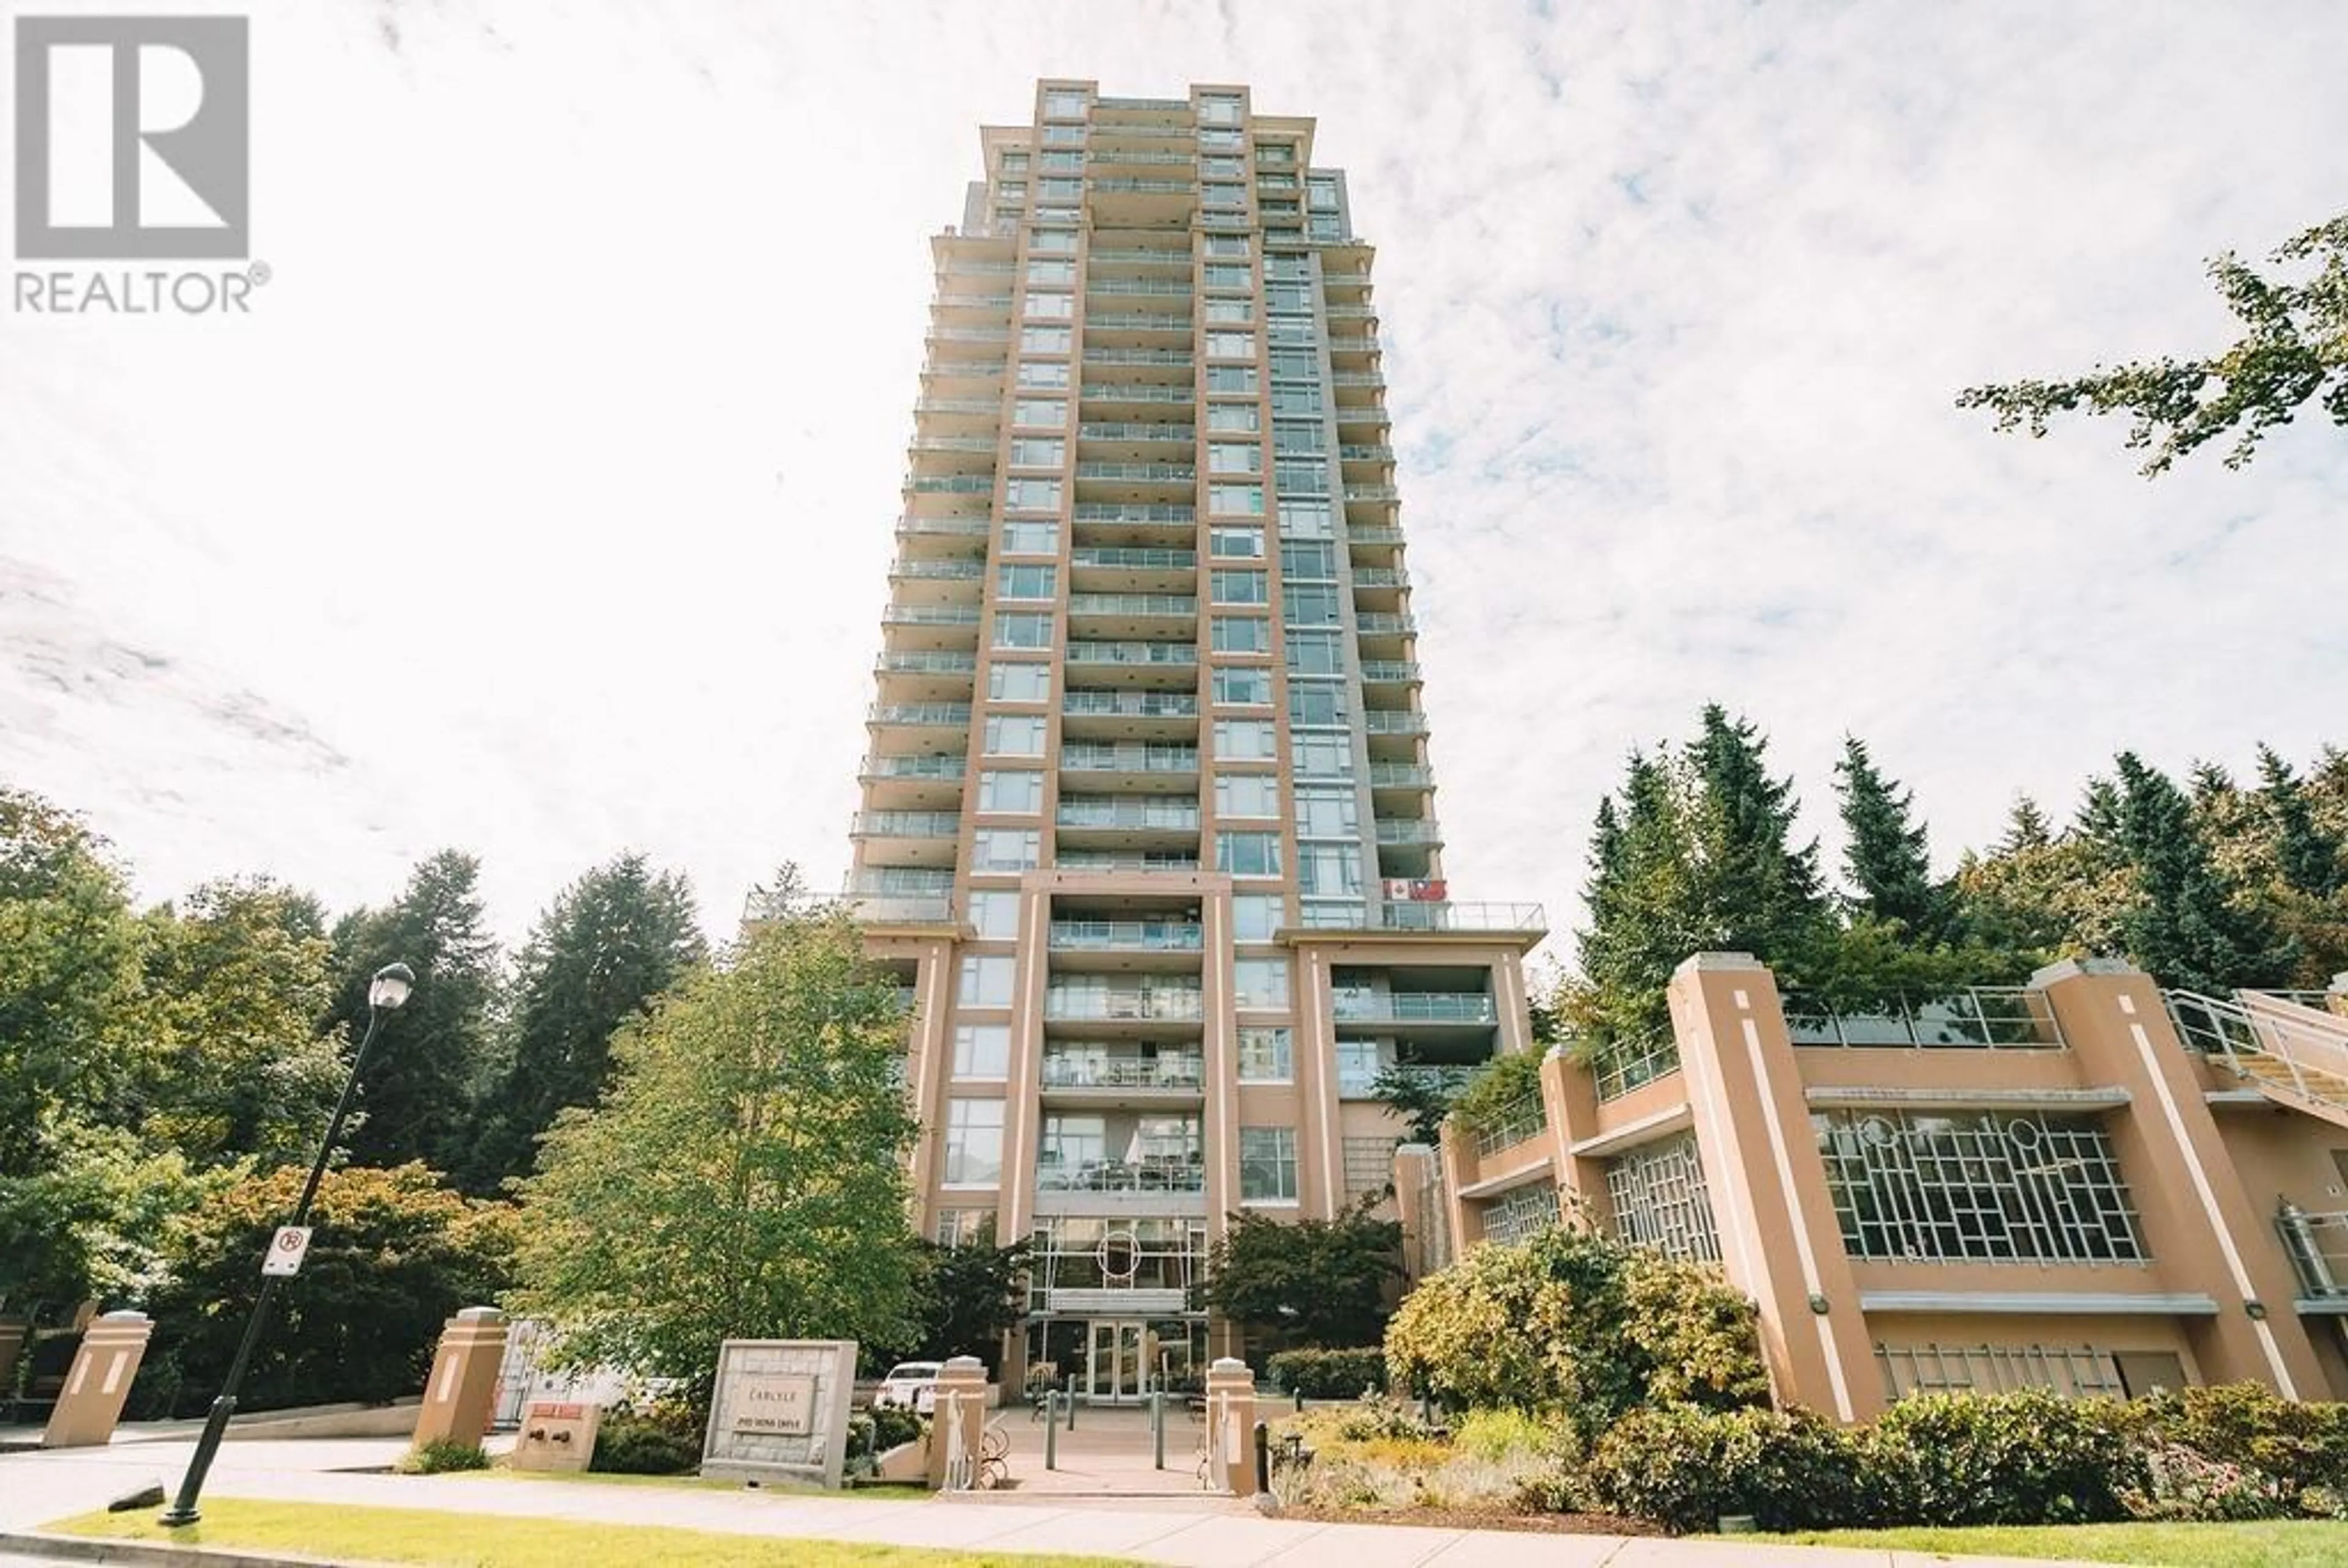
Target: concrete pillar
[[1230, 1427], [461, 1396], [1459, 1172], [99, 1381], [1421, 1253], [2204, 1235], [957, 1423], [13, 1332], [1779, 1238], [1570, 1101]]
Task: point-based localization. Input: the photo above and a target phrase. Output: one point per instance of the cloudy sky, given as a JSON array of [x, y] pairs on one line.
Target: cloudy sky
[[543, 506]]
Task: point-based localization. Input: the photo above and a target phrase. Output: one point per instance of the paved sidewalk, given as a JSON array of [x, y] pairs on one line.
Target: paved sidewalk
[[36, 1488]]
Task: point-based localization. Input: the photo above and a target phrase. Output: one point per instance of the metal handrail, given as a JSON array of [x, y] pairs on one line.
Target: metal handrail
[[2311, 1046], [1625, 1065], [1520, 1120]]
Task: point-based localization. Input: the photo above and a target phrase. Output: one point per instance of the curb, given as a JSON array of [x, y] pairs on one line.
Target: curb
[[153, 1554]]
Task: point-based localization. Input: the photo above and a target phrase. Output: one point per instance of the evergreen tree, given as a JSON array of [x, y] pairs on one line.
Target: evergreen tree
[[417, 1092], [609, 944], [1641, 904], [1886, 858], [2026, 827], [2306, 855], [1756, 892], [2186, 926]]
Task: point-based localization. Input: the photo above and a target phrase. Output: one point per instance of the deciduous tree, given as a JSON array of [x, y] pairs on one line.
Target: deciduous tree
[[2293, 349], [742, 1175], [1308, 1282]]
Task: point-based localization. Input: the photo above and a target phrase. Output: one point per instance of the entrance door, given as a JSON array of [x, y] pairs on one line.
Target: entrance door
[[1112, 1369]]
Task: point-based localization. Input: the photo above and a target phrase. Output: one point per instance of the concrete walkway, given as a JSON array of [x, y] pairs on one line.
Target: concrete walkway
[[40, 1487]]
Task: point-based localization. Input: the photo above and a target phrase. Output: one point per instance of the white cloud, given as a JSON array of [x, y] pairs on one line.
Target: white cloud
[[543, 506]]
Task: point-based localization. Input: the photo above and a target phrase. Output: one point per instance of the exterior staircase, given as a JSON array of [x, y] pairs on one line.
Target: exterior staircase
[[2294, 1054]]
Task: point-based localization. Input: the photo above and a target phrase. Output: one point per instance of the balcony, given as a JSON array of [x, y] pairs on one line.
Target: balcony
[[1135, 322], [1106, 1004], [1129, 757], [1134, 512], [1118, 1176], [1178, 358], [982, 406], [905, 825], [1132, 606], [1167, 288], [1386, 625], [1449, 916], [929, 615], [1130, 704], [1178, 260], [937, 572], [1128, 814], [1140, 472], [1142, 431], [1116, 557], [953, 715], [1371, 492], [1096, 393], [946, 768], [928, 662], [1110, 862], [1377, 535], [1128, 935], [899, 908], [944, 528], [1381, 576], [1394, 721], [1357, 1078], [1420, 831], [1389, 673], [1414, 1007], [1101, 1067], [954, 485], [1401, 775], [1177, 655]]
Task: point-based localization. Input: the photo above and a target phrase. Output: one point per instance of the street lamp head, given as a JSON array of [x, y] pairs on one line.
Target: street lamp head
[[391, 985]]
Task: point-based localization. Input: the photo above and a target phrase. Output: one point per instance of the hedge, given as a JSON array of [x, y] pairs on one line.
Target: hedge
[[1329, 1374]]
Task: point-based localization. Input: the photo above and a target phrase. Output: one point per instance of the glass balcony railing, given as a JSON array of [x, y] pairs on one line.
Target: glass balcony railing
[[1401, 775], [945, 714], [1414, 1007], [955, 484], [1133, 653], [1129, 758], [1447, 917], [1170, 1004], [1109, 860], [1094, 1068], [928, 662], [1357, 1078], [1394, 721], [1177, 815], [948, 527], [1133, 512], [1133, 604], [899, 908], [1128, 935], [939, 571], [1127, 559], [1120, 430], [1415, 832], [1118, 1176], [1379, 577], [945, 768], [1134, 391], [1129, 704], [1385, 625], [2318, 1245], [1139, 472], [1389, 672], [929, 615], [905, 825]]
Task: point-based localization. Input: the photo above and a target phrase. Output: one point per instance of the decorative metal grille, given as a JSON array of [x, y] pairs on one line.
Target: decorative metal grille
[[1977, 1186], [2078, 1373], [1660, 1200], [1523, 1213], [1369, 1165]]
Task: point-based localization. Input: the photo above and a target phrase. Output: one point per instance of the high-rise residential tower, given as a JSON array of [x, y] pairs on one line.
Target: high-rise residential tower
[[1149, 826]]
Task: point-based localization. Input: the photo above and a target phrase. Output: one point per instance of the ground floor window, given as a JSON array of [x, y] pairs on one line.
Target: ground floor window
[[2072, 1371]]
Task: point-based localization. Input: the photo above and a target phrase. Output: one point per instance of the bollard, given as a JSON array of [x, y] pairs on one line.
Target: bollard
[[1262, 1459], [1072, 1410], [1158, 1428], [1051, 1430], [1300, 1401]]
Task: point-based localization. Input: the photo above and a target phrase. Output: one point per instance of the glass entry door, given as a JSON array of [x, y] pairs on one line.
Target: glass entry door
[[1112, 1369]]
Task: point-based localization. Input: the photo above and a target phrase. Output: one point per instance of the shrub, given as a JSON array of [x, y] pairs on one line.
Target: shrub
[[1329, 1374], [2186, 1486], [1577, 1323], [659, 1439], [1683, 1468], [1502, 1434], [443, 1455], [2025, 1457], [2298, 1446]]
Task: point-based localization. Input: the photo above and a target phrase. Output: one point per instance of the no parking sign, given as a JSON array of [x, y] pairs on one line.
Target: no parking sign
[[286, 1250]]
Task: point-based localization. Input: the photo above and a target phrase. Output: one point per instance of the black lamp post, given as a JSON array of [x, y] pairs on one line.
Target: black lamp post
[[386, 992]]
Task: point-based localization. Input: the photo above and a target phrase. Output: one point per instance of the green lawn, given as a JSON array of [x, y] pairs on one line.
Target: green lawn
[[502, 1472], [483, 1540], [2267, 1543]]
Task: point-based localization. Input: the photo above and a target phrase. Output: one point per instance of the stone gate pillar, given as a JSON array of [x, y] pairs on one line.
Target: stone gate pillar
[[99, 1381], [1230, 1427], [460, 1395]]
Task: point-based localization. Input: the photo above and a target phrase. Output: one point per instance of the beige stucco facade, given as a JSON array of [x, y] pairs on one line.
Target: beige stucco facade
[[2061, 1186], [1148, 832]]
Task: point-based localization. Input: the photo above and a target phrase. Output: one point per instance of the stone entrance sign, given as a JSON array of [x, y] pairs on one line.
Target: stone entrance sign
[[557, 1435], [781, 1410]]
